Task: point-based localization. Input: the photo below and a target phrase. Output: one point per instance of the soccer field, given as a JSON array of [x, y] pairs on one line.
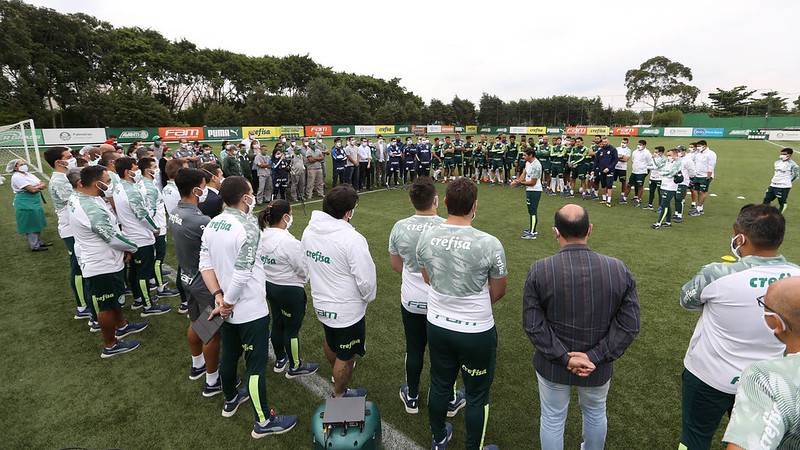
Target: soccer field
[[61, 394]]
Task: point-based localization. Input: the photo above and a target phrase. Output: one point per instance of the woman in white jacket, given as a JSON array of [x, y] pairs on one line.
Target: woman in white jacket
[[286, 274]]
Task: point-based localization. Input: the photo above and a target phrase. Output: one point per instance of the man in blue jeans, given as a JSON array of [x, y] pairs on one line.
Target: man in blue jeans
[[580, 311]]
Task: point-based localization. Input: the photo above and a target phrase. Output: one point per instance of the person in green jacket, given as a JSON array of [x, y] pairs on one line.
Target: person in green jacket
[[230, 165], [576, 167], [543, 155]]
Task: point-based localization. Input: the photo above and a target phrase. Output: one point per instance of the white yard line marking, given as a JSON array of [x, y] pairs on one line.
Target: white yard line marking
[[776, 145], [392, 438]]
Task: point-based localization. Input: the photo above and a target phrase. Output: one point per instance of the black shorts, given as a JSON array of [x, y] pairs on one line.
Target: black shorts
[[197, 295], [105, 290], [606, 180], [700, 184], [620, 175], [637, 179], [347, 342]]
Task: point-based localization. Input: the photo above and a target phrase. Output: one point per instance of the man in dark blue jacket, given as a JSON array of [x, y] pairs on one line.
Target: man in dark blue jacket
[[424, 156], [339, 158], [605, 161]]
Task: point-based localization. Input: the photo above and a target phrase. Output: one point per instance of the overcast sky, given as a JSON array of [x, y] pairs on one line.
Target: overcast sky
[[514, 49]]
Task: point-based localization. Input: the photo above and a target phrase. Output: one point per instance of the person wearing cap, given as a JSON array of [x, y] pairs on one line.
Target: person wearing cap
[[158, 149], [28, 208]]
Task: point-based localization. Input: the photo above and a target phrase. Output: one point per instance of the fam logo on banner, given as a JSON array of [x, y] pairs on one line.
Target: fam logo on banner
[[178, 133], [471, 129], [262, 132], [678, 131], [319, 130], [708, 132], [59, 136], [384, 129], [223, 133], [365, 129], [625, 131]]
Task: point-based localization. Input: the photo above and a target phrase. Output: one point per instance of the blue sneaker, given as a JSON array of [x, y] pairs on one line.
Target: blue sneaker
[[355, 392], [275, 425], [119, 348], [183, 308], [155, 310], [410, 403], [197, 372], [85, 314], [130, 328], [210, 390], [448, 435], [280, 365], [302, 370], [94, 326], [456, 404], [230, 407], [168, 292], [137, 303]]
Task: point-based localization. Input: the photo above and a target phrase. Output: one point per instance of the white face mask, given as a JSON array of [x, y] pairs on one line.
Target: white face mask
[[107, 191], [784, 157], [640, 147], [734, 247], [137, 176], [23, 168], [203, 195], [289, 222], [251, 205], [70, 163]]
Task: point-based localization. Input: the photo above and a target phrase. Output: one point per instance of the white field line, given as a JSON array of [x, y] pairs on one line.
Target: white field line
[[392, 438]]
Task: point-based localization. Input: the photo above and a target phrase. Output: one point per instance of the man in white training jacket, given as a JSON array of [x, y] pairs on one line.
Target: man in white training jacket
[[343, 282]]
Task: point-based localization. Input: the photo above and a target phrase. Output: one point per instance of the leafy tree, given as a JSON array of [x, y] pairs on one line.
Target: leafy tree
[[769, 103], [463, 111], [671, 118], [731, 102], [660, 82], [221, 114]]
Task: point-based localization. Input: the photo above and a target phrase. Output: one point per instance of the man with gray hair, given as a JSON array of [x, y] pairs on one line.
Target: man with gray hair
[[580, 311]]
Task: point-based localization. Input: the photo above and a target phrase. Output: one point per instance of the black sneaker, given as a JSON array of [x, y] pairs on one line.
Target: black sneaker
[[230, 407], [168, 292], [210, 390], [411, 404], [197, 372], [130, 328]]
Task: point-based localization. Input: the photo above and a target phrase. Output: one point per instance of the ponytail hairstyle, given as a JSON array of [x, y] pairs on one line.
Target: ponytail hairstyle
[[273, 213]]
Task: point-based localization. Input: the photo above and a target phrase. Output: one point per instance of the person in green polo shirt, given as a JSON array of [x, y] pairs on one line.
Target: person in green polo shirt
[[558, 159], [448, 150], [496, 153], [469, 164], [467, 273], [509, 158], [543, 155]]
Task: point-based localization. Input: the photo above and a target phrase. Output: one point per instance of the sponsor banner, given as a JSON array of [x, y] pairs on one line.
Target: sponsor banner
[[708, 132], [402, 129], [458, 129], [128, 135], [757, 136], [575, 130], [177, 133], [14, 138], [344, 130], [625, 131], [67, 136], [649, 131], [486, 129], [365, 129], [263, 132], [291, 129], [518, 130], [448, 129], [499, 130], [554, 131], [536, 130], [434, 129], [384, 129], [419, 129], [598, 130], [738, 132], [222, 133], [471, 129], [322, 130], [784, 135], [679, 131]]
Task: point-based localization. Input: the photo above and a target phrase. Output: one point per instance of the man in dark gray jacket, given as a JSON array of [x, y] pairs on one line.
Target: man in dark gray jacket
[[187, 224], [580, 311]]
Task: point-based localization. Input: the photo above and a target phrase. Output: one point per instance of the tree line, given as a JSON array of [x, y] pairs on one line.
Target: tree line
[[73, 70]]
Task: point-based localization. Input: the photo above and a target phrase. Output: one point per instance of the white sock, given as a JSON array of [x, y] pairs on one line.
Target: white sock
[[81, 308], [694, 203], [198, 361], [212, 378]]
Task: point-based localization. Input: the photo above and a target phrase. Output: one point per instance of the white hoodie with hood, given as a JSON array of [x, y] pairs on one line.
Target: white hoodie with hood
[[340, 268]]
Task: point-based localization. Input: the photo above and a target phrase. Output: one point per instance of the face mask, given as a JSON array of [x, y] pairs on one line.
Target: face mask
[[339, 145], [734, 247], [72, 163], [23, 168], [251, 205], [105, 189], [289, 222], [640, 147], [283, 140], [784, 157], [203, 194], [137, 176]]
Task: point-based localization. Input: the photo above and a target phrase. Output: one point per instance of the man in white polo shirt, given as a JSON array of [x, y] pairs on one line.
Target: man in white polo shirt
[[730, 334], [705, 161], [343, 283], [228, 255]]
